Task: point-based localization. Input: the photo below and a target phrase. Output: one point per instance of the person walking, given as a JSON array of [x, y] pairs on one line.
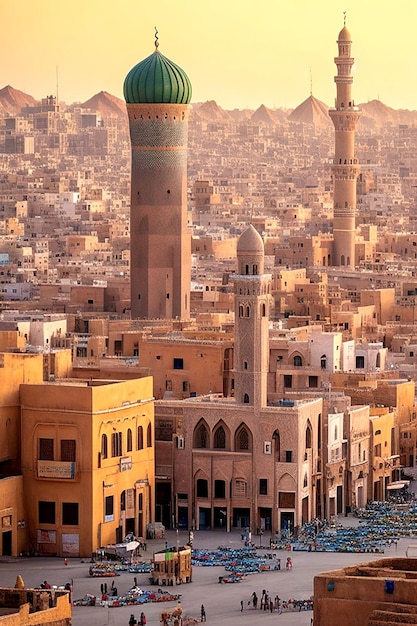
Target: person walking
[[254, 600], [203, 613], [142, 619], [132, 620]]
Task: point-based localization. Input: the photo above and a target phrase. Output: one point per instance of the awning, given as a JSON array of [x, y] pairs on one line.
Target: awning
[[399, 484]]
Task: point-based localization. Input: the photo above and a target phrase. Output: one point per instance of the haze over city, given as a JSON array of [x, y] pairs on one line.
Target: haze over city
[[240, 53]]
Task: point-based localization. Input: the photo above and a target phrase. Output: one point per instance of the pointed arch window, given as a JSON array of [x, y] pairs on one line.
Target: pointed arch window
[[129, 440], [298, 361], [277, 445], [246, 399], [243, 440], [220, 438], [201, 437], [308, 437], [149, 436]]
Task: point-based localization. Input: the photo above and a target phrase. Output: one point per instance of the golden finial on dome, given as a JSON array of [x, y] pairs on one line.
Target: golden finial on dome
[[344, 18], [156, 38]]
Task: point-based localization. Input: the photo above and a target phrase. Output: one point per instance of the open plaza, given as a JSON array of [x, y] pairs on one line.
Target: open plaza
[[222, 602]]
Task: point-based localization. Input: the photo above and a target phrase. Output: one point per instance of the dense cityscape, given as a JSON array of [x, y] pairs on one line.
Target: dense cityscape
[[207, 317]]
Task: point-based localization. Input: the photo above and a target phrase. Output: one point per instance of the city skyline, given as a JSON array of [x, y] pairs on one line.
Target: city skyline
[[240, 54]]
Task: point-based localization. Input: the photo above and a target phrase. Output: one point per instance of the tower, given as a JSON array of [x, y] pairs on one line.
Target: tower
[[157, 94], [345, 167], [252, 296]]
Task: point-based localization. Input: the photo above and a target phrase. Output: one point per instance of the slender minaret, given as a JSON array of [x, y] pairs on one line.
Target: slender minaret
[[345, 167], [252, 295], [157, 94]]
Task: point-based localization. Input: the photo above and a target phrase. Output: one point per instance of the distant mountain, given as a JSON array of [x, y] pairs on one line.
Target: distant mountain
[[311, 111], [211, 112], [240, 115], [375, 113], [106, 104], [263, 114], [12, 100]]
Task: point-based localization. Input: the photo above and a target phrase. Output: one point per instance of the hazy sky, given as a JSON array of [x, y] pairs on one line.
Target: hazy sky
[[240, 53]]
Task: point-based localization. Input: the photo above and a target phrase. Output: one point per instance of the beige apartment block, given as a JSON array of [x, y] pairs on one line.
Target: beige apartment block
[[15, 368], [87, 463]]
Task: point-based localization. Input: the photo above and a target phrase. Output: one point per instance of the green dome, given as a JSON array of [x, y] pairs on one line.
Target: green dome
[[157, 80]]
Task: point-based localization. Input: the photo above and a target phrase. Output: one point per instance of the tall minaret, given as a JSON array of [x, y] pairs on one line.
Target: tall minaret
[[157, 94], [345, 166], [252, 295]]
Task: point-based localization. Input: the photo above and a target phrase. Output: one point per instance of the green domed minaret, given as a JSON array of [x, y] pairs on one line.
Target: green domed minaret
[[157, 94], [157, 80]]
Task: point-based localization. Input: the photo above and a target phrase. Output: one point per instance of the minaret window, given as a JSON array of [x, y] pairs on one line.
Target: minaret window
[[248, 311], [149, 436], [254, 270], [323, 361], [246, 399], [129, 440], [220, 438], [241, 310], [246, 269], [245, 365], [263, 310]]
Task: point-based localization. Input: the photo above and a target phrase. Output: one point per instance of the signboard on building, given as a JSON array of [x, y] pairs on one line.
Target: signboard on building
[[70, 544], [56, 469], [125, 463], [46, 536]]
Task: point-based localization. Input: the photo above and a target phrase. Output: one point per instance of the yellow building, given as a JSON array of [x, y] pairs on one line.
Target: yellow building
[[87, 463], [15, 368]]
